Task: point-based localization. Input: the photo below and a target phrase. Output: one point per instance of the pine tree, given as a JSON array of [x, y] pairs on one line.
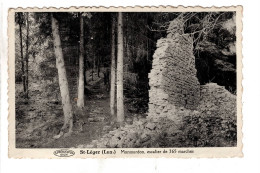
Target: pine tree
[[27, 58], [80, 101], [20, 22], [120, 53], [113, 70]]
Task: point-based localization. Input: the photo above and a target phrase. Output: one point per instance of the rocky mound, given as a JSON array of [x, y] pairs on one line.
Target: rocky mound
[[215, 100]]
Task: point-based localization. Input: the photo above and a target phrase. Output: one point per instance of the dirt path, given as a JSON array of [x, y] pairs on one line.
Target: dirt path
[[41, 118], [95, 120]]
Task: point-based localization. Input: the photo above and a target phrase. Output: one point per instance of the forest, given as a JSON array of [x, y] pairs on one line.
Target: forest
[[125, 79]]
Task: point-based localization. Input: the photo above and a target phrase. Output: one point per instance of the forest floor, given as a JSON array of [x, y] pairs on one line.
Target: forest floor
[[39, 119]]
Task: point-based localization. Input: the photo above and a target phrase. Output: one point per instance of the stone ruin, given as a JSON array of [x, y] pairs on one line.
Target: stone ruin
[[175, 93], [173, 82]]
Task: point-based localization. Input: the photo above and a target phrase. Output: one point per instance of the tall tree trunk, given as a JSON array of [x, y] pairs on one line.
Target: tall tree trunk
[[98, 66], [63, 82], [94, 61], [85, 75], [127, 43], [93, 66], [113, 70], [92, 72], [22, 59], [80, 101], [120, 53], [27, 57]]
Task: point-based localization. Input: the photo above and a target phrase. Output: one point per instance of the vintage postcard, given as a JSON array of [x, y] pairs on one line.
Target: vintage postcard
[[96, 82]]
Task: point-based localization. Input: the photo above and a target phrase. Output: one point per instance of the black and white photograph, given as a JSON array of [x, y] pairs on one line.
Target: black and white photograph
[[126, 80]]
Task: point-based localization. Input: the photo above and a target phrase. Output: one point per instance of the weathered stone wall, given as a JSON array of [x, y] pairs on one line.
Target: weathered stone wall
[[173, 82], [215, 100]]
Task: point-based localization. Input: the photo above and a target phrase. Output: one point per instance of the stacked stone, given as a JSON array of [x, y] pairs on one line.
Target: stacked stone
[[142, 133], [217, 101], [173, 82]]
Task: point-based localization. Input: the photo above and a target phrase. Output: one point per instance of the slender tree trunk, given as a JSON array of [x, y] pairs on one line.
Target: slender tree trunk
[[98, 66], [94, 61], [63, 82], [80, 101], [113, 70], [85, 75], [92, 72], [120, 53], [22, 59], [127, 43], [27, 58], [93, 66], [147, 40]]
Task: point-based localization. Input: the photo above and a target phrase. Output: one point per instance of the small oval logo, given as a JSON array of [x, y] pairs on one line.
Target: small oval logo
[[63, 153]]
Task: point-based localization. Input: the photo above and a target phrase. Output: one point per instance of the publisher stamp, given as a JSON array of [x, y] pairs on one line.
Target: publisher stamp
[[63, 153]]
